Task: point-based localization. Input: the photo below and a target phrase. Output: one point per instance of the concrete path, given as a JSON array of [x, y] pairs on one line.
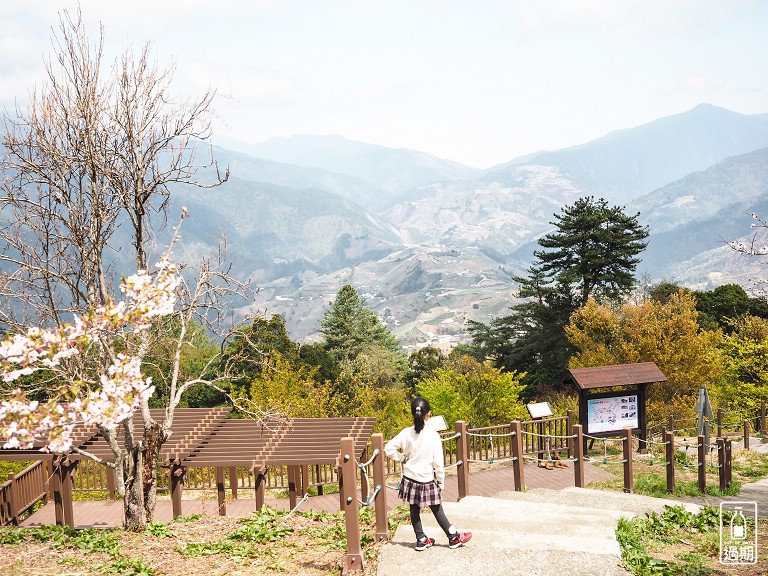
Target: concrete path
[[540, 532]]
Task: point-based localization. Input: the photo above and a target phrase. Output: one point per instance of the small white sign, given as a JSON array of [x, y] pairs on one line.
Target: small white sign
[[738, 532], [539, 410], [436, 423]]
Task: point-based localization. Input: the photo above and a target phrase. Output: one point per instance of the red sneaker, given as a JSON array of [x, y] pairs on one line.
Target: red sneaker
[[424, 544], [459, 539]]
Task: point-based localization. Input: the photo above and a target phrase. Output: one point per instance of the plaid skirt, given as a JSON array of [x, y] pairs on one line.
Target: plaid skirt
[[421, 493]]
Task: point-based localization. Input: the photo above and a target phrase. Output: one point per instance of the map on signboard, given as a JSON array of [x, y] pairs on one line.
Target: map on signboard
[[613, 413]]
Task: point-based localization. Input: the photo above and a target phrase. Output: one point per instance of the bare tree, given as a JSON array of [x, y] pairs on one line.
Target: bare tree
[[85, 163], [756, 245]]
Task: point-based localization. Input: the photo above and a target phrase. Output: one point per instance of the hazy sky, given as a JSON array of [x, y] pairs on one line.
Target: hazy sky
[[478, 81]]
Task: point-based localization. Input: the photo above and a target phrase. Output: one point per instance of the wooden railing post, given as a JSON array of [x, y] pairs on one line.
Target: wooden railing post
[[746, 434], [578, 456], [728, 463], [340, 476], [260, 484], [293, 476], [220, 494], [49, 478], [627, 451], [353, 561], [58, 500], [719, 422], [721, 463], [669, 452], [320, 487], [111, 483], [517, 454], [176, 480], [462, 458], [233, 481], [702, 463], [13, 509], [67, 484], [380, 489], [364, 488]]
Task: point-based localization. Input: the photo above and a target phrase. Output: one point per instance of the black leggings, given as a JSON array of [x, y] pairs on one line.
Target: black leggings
[[439, 514]]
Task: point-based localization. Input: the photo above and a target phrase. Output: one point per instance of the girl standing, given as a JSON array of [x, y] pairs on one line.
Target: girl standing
[[420, 450]]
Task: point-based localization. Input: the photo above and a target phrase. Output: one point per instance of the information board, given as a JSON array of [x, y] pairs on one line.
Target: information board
[[612, 413]]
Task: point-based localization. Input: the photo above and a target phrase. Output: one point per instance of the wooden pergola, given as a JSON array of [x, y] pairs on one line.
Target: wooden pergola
[[202, 437]]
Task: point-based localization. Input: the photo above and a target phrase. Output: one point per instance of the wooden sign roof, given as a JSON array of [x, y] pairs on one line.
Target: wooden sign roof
[[615, 375]]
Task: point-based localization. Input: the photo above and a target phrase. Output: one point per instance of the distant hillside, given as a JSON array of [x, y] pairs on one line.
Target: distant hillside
[[248, 168], [394, 170], [276, 232], [629, 163], [695, 214], [431, 244]]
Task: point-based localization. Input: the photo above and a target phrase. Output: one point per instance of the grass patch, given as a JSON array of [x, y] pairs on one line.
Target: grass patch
[[649, 472], [639, 537]]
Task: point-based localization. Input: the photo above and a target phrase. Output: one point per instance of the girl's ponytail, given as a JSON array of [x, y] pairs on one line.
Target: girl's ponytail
[[419, 409]]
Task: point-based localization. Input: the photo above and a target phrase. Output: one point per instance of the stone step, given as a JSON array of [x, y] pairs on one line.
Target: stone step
[[513, 537], [629, 505]]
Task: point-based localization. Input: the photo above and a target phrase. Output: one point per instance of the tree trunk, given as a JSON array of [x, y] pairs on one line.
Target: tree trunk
[[133, 501], [151, 451]]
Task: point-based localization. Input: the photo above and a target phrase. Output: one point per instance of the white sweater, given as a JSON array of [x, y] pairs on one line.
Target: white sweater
[[422, 453]]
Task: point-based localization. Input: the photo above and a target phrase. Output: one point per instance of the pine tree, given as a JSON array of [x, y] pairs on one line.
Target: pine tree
[[592, 252], [348, 327]]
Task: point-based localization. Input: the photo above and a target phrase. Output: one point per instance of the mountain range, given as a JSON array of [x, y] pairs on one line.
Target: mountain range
[[431, 243]]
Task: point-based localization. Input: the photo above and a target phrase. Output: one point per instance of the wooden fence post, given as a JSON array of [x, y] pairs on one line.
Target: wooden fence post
[[58, 501], [569, 431], [220, 494], [669, 445], [462, 458], [260, 484], [627, 451], [728, 463], [719, 422], [111, 483], [746, 434], [176, 480], [380, 489], [578, 456], [294, 477], [233, 481], [353, 561], [340, 476], [13, 510], [721, 463], [702, 463], [320, 489], [517, 454], [305, 479], [49, 478], [66, 480]]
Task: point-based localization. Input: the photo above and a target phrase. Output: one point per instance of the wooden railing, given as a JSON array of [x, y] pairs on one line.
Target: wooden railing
[[22, 491]]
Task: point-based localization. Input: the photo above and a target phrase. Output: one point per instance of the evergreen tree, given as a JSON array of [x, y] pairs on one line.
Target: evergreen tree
[[349, 327], [592, 252], [594, 249]]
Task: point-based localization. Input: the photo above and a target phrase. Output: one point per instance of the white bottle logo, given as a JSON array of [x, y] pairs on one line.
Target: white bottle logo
[[738, 525]]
